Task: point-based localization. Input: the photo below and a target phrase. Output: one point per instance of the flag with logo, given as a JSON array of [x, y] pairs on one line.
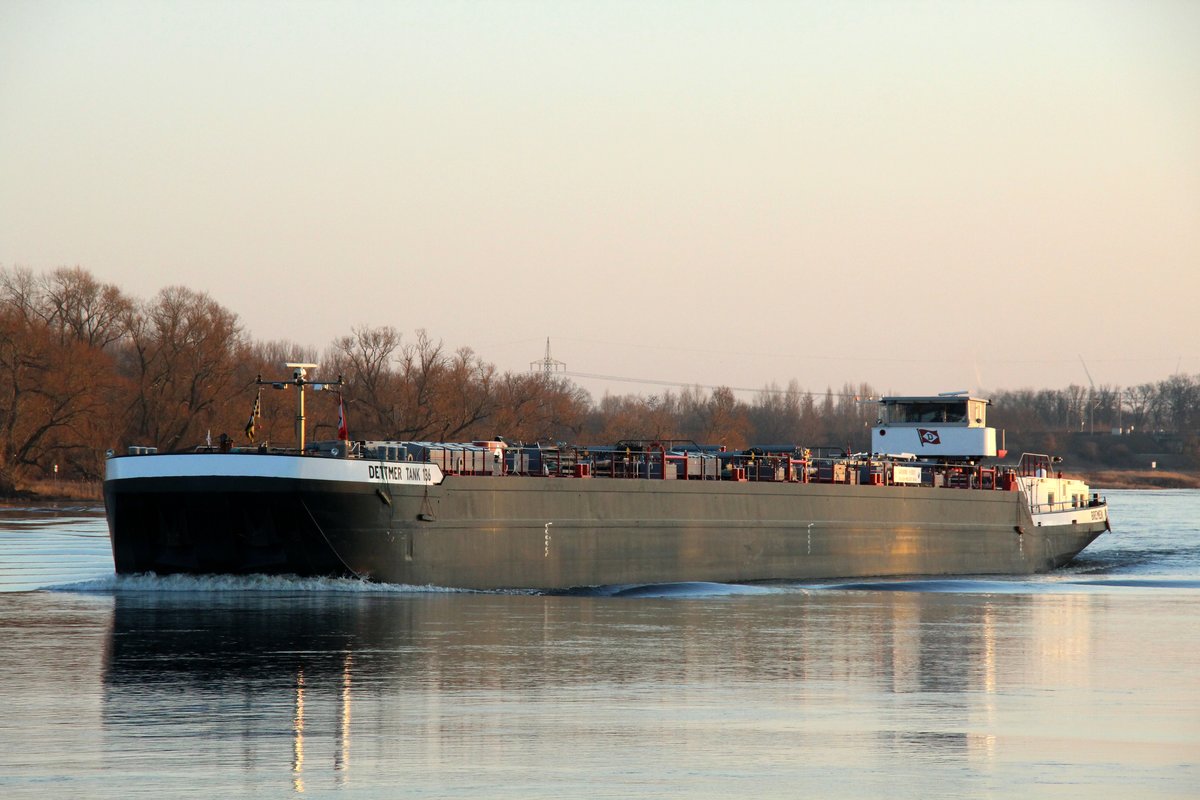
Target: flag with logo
[[342, 432], [255, 413]]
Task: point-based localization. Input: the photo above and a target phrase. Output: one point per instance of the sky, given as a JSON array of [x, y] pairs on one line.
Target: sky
[[921, 196]]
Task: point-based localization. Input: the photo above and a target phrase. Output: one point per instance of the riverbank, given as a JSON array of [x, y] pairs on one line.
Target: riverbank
[[1141, 479], [54, 491]]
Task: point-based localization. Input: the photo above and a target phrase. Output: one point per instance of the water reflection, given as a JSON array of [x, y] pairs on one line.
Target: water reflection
[[298, 735], [904, 641], [1075, 685], [438, 682], [341, 761]]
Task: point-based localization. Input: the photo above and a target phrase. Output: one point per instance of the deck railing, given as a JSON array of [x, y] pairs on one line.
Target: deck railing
[[656, 462]]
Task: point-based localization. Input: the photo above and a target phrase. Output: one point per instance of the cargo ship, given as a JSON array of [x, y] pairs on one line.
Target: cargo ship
[[930, 498]]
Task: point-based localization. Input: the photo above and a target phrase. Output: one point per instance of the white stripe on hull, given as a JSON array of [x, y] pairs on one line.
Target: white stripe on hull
[[257, 465]]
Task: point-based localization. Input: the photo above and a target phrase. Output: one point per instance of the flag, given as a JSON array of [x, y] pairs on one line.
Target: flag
[[254, 414], [928, 437], [342, 433]]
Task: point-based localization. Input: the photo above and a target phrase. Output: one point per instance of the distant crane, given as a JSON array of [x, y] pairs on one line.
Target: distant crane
[[1091, 395], [548, 365]]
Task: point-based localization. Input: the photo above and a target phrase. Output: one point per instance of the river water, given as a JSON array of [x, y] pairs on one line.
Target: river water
[[1080, 684]]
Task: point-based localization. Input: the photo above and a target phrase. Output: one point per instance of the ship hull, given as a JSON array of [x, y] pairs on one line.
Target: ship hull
[[481, 532]]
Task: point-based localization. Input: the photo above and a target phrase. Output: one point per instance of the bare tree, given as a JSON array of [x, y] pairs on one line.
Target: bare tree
[[366, 360], [53, 395], [184, 352]]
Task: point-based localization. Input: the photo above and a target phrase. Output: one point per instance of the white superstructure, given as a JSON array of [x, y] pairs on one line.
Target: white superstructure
[[939, 427], [953, 428], [1055, 500]]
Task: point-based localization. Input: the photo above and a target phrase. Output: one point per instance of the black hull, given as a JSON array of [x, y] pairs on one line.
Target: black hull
[[233, 525], [554, 533]]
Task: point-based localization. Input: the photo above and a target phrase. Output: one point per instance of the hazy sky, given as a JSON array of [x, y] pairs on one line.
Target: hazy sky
[[924, 196]]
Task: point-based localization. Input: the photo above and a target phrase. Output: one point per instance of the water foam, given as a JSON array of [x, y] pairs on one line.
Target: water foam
[[150, 582], [1142, 583], [683, 589], [933, 585]]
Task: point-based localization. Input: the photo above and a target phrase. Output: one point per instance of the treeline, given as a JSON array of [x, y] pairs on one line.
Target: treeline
[[85, 368], [1152, 420], [1107, 426], [1171, 406]]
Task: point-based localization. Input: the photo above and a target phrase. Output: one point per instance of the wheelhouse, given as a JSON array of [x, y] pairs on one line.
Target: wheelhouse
[[944, 427]]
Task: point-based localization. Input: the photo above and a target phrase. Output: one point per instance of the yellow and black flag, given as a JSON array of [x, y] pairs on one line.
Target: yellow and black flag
[[255, 413]]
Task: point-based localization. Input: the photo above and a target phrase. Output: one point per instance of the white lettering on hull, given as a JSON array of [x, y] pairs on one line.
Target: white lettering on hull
[[1071, 516], [400, 473]]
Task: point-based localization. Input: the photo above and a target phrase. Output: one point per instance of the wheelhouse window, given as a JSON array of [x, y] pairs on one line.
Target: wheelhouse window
[[927, 412]]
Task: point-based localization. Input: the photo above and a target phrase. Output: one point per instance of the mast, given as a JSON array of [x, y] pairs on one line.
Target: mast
[[299, 380], [301, 370]]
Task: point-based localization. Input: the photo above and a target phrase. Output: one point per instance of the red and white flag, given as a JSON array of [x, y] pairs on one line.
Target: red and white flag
[[928, 437], [342, 433]]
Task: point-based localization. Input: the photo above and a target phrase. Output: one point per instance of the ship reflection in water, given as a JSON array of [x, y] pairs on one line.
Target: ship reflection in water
[[721, 691], [341, 755]]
